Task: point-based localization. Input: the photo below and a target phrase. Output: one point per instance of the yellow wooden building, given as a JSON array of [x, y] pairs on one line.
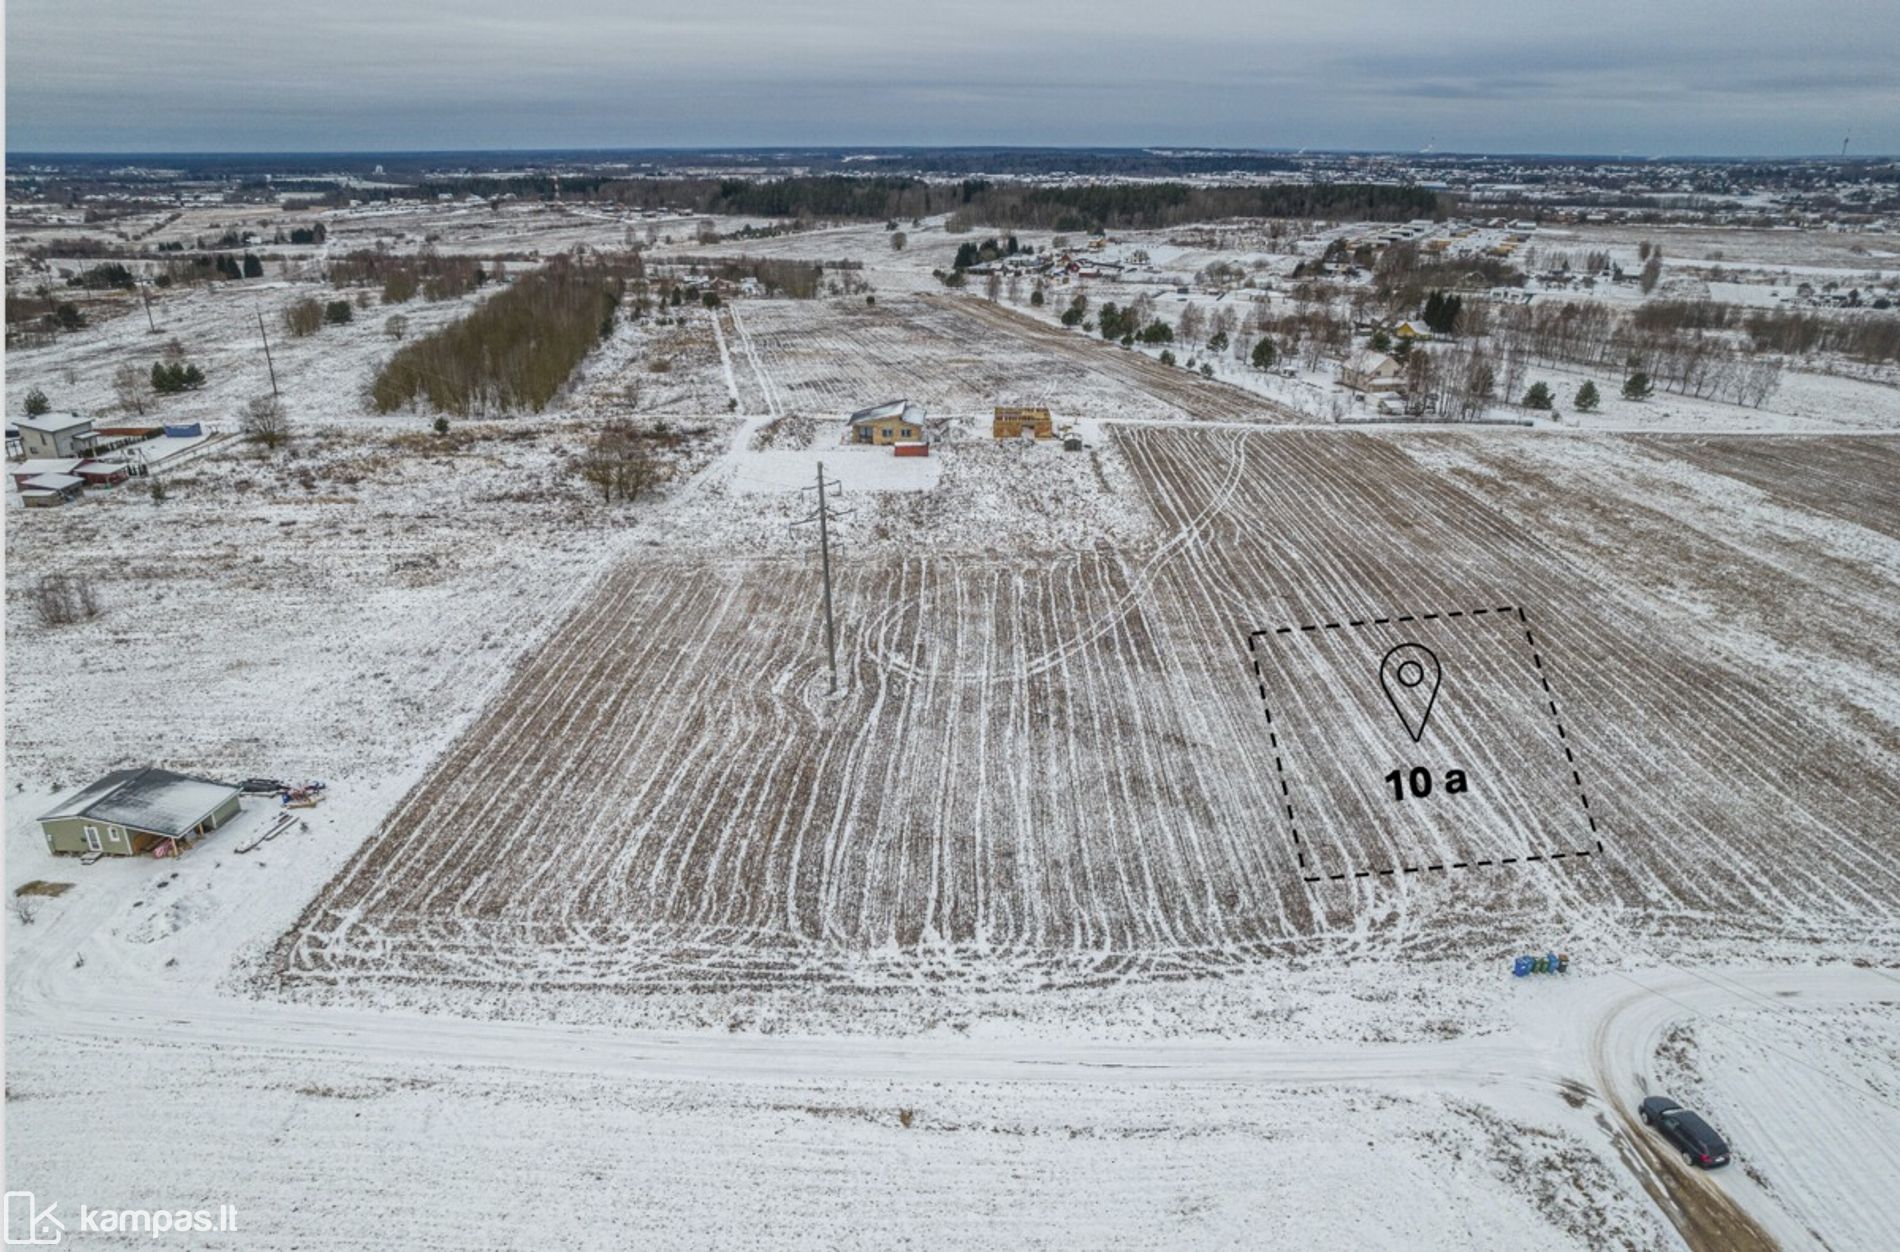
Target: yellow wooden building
[[1013, 422]]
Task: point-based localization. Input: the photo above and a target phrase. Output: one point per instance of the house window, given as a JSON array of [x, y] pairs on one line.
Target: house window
[[905, 433], [92, 839]]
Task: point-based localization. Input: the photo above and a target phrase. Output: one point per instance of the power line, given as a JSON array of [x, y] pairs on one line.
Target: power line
[[824, 516]]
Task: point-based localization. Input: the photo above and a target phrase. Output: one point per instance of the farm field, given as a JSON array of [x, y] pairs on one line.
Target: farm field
[[963, 355], [1057, 772]]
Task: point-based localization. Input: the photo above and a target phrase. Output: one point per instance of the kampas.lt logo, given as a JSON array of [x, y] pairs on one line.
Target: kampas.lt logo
[[28, 1223]]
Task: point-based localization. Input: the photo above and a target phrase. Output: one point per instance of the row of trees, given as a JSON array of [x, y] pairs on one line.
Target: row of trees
[[1694, 362], [513, 352], [403, 276]]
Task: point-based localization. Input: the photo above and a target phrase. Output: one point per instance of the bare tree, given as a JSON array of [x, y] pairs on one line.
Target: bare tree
[[397, 326], [898, 240], [133, 387], [265, 421], [621, 464], [25, 908], [1192, 327], [1652, 272]]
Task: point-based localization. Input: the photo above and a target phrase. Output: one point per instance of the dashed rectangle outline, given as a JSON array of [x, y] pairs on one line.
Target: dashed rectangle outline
[[1550, 699]]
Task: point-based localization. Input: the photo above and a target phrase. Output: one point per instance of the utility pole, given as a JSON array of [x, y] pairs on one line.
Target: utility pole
[[824, 516], [268, 363], [146, 294]]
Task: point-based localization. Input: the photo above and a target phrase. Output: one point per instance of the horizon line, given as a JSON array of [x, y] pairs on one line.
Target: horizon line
[[821, 148]]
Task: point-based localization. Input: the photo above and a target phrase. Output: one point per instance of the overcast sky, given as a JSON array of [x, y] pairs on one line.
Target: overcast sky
[[1644, 77]]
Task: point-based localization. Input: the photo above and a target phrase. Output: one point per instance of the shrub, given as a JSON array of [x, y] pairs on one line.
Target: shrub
[[170, 378], [620, 464], [304, 317], [1167, 357], [337, 312], [110, 276], [61, 600], [441, 425], [37, 403]]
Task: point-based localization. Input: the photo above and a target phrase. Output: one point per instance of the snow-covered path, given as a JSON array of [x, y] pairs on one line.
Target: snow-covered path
[[1598, 1034]]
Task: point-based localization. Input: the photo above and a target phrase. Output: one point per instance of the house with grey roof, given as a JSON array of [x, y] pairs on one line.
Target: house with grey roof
[[895, 421], [139, 810], [53, 434]]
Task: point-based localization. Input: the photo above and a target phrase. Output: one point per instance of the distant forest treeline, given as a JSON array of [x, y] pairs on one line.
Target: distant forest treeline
[[1024, 206], [1004, 205]]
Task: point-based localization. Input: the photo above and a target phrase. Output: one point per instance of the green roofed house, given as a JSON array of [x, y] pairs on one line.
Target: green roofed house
[[138, 810]]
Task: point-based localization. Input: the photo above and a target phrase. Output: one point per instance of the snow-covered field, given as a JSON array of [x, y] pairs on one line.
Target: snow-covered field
[[615, 926]]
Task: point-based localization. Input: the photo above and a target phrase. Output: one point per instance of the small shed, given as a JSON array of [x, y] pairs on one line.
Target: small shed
[[1013, 422], [102, 473], [45, 491], [910, 449], [895, 421], [130, 811]]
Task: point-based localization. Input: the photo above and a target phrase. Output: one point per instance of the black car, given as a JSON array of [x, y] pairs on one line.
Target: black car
[[1697, 1140]]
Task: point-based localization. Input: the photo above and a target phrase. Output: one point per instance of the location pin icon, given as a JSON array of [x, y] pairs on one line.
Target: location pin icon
[[1410, 676]]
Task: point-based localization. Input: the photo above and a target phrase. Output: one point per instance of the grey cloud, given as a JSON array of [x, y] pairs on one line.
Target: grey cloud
[[1690, 75]]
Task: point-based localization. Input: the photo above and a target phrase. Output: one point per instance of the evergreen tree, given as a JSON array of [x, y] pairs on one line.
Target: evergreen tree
[[1538, 397], [253, 268], [1264, 354], [37, 403], [1587, 398], [1637, 386]]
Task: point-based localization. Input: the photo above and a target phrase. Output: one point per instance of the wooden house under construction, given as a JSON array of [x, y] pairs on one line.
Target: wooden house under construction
[[1014, 422]]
